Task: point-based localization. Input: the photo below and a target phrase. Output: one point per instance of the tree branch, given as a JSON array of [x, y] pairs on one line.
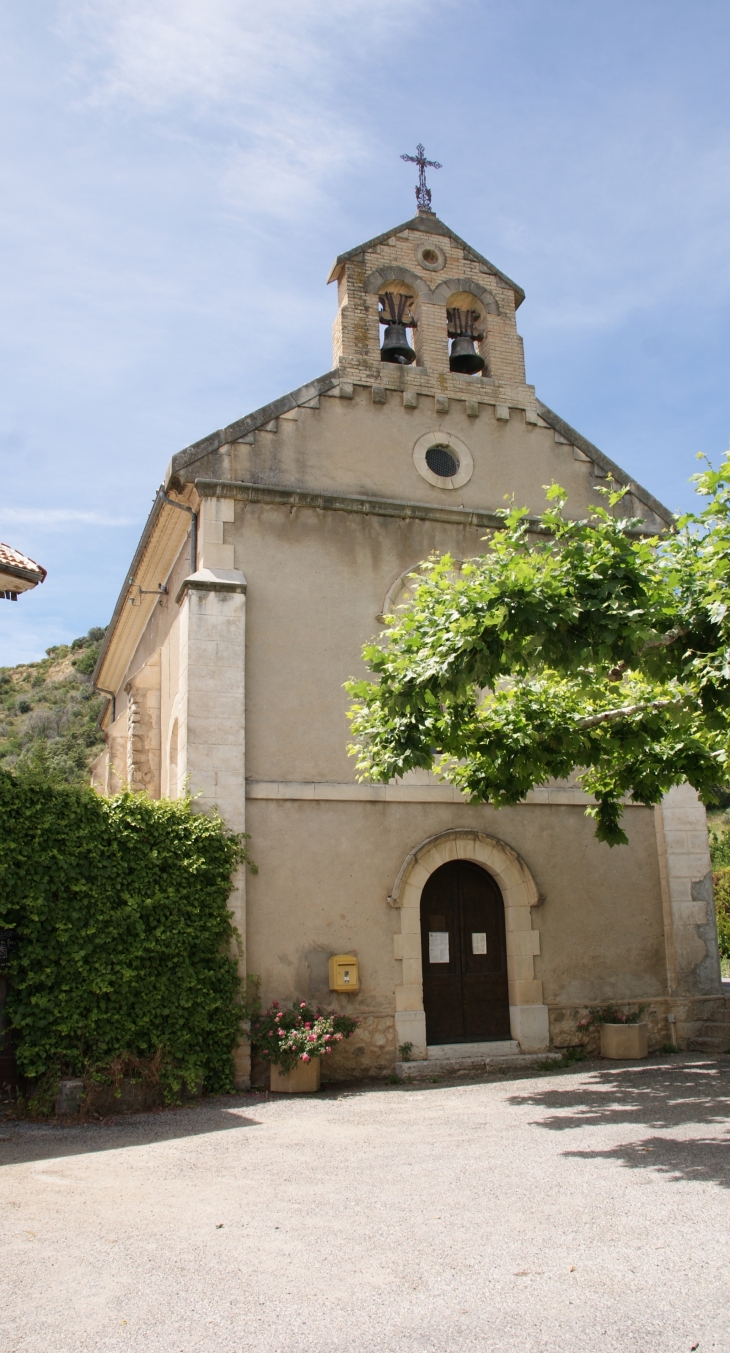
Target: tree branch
[[610, 715], [664, 640]]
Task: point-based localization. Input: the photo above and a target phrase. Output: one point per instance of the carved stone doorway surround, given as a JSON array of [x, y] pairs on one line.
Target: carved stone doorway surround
[[528, 1014]]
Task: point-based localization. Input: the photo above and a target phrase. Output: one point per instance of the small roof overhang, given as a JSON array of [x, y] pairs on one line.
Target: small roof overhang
[[18, 573]]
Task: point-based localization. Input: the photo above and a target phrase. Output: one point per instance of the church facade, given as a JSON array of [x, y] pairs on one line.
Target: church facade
[[272, 554]]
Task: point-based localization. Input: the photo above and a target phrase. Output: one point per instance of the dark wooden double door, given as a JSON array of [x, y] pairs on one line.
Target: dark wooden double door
[[465, 993]]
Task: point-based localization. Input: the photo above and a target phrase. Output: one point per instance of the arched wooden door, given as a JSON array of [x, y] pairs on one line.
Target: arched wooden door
[[465, 993]]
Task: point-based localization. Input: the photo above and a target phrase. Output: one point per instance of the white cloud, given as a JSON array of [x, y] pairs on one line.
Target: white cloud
[[60, 516], [271, 90]]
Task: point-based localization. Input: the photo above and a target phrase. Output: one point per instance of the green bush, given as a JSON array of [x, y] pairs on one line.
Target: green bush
[[720, 848], [722, 910], [122, 935], [720, 856], [87, 662]]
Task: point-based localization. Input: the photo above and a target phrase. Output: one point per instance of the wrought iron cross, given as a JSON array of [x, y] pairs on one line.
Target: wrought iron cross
[[423, 192]]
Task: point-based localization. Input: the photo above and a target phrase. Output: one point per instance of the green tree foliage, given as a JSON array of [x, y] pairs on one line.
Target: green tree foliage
[[720, 856], [568, 645], [722, 911], [49, 713], [123, 938]]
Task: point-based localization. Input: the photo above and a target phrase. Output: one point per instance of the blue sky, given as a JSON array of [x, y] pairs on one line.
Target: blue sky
[[178, 175]]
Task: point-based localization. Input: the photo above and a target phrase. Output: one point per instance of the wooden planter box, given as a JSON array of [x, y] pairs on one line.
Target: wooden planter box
[[304, 1078], [624, 1042]]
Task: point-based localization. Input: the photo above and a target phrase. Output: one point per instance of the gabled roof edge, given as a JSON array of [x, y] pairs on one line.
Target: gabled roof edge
[[559, 425], [430, 225], [144, 539], [235, 431]]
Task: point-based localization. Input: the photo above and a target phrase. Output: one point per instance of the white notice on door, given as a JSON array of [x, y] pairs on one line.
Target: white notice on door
[[478, 942], [438, 946]]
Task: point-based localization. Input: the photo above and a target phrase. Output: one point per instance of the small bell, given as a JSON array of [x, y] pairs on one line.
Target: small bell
[[394, 314], [464, 358], [462, 330], [395, 345]]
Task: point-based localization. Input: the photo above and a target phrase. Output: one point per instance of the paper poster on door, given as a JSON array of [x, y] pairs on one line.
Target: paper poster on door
[[478, 942], [438, 946]]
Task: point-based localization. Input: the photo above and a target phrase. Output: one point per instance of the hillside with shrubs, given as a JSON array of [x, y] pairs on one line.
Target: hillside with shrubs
[[49, 713]]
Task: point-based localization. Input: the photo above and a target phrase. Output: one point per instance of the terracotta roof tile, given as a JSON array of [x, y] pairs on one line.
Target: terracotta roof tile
[[14, 559]]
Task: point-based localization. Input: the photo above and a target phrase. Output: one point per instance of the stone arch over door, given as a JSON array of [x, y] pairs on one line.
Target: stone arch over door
[[528, 1013]]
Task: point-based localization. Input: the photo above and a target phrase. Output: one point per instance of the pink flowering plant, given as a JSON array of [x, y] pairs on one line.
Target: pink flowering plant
[[286, 1037], [610, 1014]]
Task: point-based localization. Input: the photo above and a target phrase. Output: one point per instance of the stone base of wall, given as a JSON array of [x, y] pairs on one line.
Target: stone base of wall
[[701, 1023], [370, 1052]]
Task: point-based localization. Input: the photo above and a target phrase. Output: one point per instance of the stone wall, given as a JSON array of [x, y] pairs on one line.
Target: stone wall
[[693, 1023], [143, 735], [693, 965], [370, 1052]]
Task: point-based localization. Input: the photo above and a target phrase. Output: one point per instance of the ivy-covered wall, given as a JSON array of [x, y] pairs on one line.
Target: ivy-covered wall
[[122, 940]]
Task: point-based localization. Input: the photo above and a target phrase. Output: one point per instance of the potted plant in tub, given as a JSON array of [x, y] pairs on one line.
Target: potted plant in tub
[[294, 1042], [624, 1036]]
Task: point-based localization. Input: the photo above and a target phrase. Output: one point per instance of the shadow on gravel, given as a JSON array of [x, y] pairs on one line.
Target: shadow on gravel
[[22, 1142], [659, 1098]]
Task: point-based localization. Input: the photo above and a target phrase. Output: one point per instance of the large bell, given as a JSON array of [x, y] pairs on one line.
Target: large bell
[[464, 357], [395, 346]]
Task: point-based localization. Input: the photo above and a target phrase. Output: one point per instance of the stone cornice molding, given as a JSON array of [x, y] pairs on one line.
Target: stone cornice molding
[[360, 504], [349, 502], [212, 580]]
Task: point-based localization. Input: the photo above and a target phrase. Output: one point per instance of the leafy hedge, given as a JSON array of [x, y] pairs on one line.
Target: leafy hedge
[[121, 936], [720, 856]]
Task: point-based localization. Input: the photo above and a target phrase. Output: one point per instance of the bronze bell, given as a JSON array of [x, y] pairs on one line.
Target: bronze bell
[[395, 346], [464, 358]]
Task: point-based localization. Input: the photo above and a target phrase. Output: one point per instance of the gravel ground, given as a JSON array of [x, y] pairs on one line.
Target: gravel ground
[[566, 1211]]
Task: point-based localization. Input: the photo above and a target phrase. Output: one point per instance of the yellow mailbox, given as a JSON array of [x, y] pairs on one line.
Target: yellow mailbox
[[344, 973]]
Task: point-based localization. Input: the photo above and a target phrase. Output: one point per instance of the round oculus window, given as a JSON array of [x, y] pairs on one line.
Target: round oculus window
[[430, 255], [442, 461]]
